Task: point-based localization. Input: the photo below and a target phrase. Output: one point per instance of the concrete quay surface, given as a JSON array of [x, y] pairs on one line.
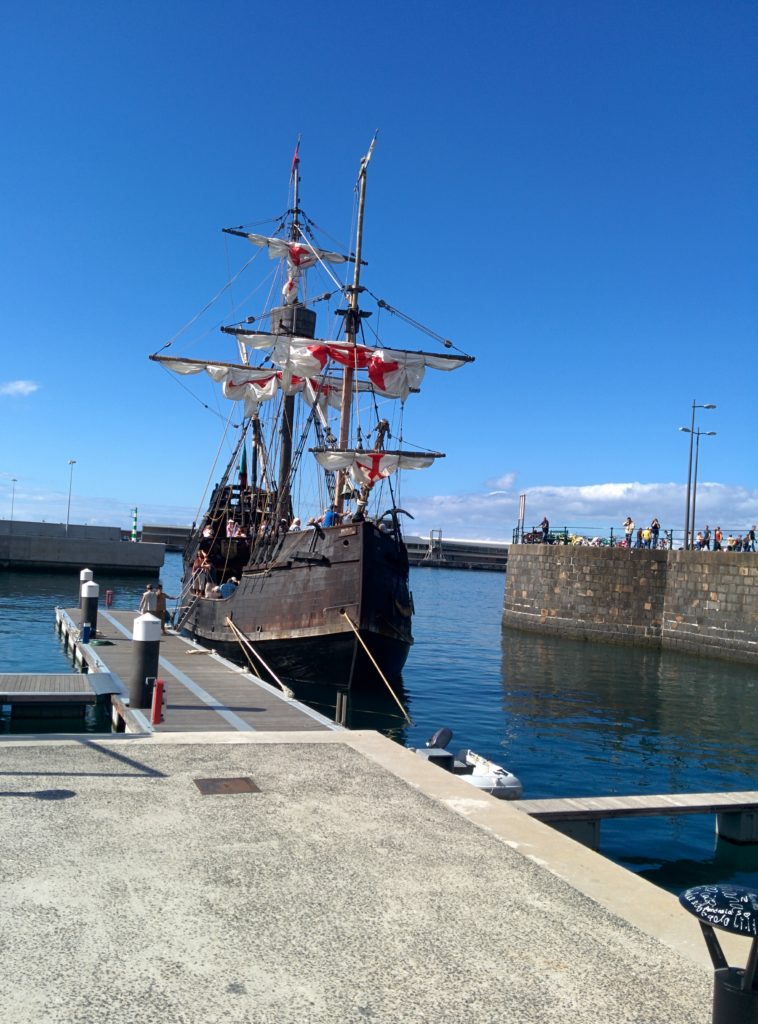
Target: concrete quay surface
[[359, 884]]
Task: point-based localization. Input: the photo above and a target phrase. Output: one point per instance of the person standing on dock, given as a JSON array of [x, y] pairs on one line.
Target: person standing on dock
[[149, 601], [160, 606], [629, 530], [655, 529], [545, 527]]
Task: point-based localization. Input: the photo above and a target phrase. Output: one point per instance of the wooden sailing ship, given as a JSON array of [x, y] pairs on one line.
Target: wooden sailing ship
[[324, 599]]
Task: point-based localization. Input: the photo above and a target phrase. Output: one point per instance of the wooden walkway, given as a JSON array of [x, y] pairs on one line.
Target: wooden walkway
[[204, 692], [580, 817], [600, 807], [56, 688]]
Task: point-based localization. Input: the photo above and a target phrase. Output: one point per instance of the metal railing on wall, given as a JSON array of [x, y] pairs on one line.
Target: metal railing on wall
[[593, 536]]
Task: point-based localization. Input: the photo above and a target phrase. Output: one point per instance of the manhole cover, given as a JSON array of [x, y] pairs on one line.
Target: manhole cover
[[218, 787]]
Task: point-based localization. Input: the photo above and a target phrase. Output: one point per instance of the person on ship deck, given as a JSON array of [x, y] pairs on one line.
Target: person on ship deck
[[330, 517]]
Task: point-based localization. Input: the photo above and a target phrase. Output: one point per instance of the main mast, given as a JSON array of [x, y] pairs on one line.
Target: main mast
[[352, 323], [288, 405]]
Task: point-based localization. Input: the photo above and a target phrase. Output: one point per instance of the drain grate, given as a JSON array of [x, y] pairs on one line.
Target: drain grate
[[220, 787]]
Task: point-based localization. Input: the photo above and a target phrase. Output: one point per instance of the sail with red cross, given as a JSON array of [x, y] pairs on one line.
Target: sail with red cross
[[368, 467], [253, 385], [394, 373], [299, 255]]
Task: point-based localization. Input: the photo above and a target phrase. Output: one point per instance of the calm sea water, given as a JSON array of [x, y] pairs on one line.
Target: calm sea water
[[569, 718]]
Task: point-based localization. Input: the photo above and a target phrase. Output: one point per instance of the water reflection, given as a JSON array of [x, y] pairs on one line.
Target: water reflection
[[678, 853], [627, 719], [366, 709]]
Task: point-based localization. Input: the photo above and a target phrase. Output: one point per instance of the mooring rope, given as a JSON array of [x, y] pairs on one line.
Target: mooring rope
[[382, 676], [244, 642]]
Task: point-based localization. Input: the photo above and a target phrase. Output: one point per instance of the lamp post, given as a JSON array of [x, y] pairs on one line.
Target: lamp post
[[698, 434], [71, 463], [14, 481], [691, 431]]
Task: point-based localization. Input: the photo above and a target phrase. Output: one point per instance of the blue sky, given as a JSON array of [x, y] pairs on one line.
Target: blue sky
[[566, 190]]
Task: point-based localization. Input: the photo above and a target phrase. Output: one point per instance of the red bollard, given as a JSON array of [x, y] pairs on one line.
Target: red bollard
[[108, 598], [156, 712]]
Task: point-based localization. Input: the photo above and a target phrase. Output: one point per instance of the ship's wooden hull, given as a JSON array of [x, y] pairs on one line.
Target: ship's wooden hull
[[298, 609]]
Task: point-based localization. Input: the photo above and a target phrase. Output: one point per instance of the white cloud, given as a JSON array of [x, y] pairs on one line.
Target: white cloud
[[492, 515], [19, 388], [503, 483]]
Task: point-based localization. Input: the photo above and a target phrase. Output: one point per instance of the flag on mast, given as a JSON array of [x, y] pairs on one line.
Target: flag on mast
[[295, 159]]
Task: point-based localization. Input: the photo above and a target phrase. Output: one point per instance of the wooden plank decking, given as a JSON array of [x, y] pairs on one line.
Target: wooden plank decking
[[41, 688], [597, 808], [204, 692]]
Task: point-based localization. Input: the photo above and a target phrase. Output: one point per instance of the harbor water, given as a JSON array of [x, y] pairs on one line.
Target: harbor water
[[569, 718]]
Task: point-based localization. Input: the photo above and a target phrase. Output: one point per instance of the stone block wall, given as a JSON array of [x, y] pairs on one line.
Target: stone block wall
[[711, 604], [588, 593], [699, 602]]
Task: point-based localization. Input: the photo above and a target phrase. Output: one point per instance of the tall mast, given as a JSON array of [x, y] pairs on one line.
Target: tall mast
[[288, 406], [352, 322]]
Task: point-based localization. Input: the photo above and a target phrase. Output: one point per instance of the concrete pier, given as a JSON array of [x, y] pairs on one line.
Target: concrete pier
[[205, 692], [48, 547], [352, 882]]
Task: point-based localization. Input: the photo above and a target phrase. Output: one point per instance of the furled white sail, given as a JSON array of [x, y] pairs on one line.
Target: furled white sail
[[253, 385], [299, 255], [366, 467], [394, 373]]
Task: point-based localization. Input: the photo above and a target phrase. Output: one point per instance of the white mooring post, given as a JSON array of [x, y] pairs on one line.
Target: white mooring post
[[85, 576], [90, 595], [146, 643]]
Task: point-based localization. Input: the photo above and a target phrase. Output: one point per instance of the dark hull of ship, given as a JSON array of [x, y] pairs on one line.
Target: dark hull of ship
[[297, 606]]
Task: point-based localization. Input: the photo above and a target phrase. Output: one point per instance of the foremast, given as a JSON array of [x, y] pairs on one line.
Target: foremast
[[353, 316]]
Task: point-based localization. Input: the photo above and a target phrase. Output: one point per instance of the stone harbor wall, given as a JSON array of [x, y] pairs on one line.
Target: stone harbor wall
[[711, 604], [698, 602]]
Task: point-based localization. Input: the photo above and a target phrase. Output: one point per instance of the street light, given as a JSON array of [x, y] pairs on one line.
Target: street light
[[14, 481], [698, 434], [72, 463], [691, 432]]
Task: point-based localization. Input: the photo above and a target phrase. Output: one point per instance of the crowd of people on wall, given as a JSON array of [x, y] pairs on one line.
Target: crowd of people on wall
[[652, 536], [645, 537], [704, 539]]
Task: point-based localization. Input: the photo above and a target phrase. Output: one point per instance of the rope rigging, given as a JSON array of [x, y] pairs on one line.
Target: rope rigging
[[445, 342]]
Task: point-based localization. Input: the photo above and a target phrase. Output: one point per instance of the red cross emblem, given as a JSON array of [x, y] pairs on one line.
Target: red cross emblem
[[373, 471]]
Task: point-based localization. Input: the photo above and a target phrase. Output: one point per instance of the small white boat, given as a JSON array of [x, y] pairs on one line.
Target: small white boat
[[490, 777], [484, 775]]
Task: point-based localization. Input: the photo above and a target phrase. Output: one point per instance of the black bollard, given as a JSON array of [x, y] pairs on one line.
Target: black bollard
[[85, 576], [733, 908], [146, 643], [90, 594]]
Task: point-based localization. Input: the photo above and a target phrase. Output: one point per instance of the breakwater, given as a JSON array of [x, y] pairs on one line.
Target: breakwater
[[697, 602], [53, 547]]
